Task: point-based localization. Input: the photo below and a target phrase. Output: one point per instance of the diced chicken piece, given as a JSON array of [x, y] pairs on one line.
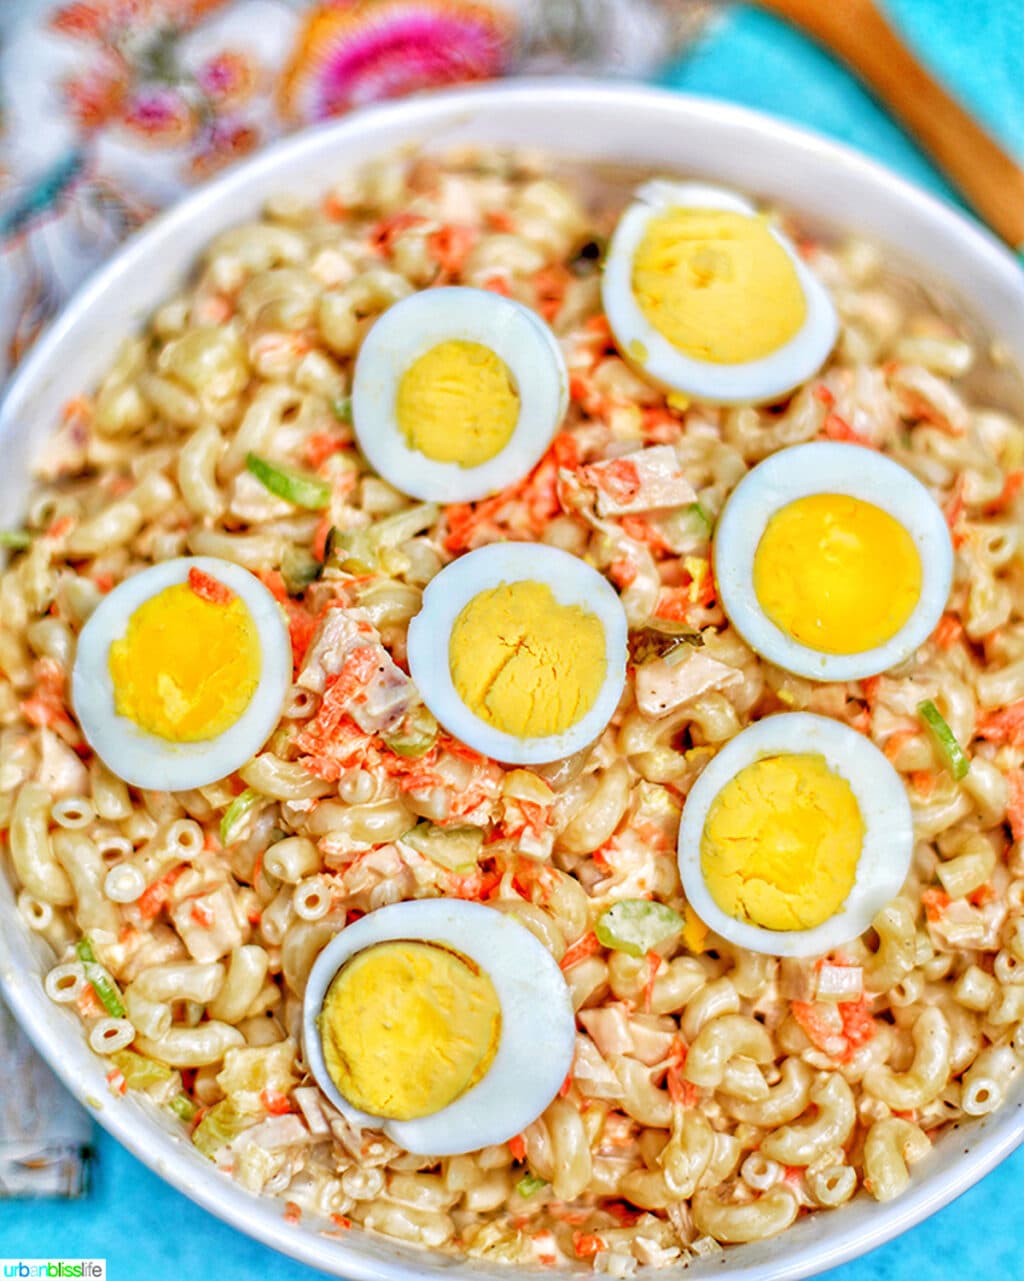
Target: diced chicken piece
[[652, 1037], [661, 687], [61, 772], [210, 924], [274, 1133], [385, 698], [640, 481], [592, 1074], [338, 632], [609, 1028]]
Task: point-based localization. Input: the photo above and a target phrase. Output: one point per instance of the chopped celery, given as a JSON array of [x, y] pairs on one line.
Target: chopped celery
[[140, 1072], [234, 817], [299, 568], [293, 486], [635, 925], [414, 736], [703, 515], [219, 1126], [341, 408], [183, 1107], [454, 848], [529, 1184], [17, 539], [357, 551], [953, 755], [102, 984]]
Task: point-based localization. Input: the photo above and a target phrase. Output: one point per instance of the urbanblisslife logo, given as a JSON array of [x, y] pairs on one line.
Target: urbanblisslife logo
[[87, 1269]]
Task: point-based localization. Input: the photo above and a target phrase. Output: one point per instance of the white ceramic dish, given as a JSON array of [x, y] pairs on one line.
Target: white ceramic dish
[[662, 131]]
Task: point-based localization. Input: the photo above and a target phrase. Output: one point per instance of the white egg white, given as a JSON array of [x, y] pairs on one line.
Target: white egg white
[[572, 582], [656, 358], [422, 321], [141, 758], [538, 1025], [885, 809], [826, 467]]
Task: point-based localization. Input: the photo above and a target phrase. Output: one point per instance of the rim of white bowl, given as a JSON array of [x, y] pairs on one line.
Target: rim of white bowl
[[380, 130]]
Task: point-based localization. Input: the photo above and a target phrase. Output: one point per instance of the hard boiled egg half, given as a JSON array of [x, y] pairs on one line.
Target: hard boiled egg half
[[795, 835], [457, 393], [181, 672], [832, 561], [520, 651], [706, 297], [443, 1023]]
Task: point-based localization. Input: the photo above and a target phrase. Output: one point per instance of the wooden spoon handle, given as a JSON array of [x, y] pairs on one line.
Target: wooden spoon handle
[[986, 175]]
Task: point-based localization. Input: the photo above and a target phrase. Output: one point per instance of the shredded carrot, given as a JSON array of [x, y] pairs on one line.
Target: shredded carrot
[[982, 895], [934, 901], [1015, 803], [498, 285], [89, 1005], [653, 964], [274, 583], [60, 527], [451, 245], [566, 1085], [622, 572], [954, 512], [858, 1024], [619, 479], [517, 1146], [948, 632], [116, 1081], [490, 517], [895, 742], [923, 781], [275, 1102], [208, 588], [626, 1214], [1011, 487], [384, 233], [661, 426], [822, 394], [1003, 726], [836, 428], [587, 945], [292, 1212], [319, 447], [332, 208], [105, 582], [586, 1244], [154, 898], [499, 220], [79, 407], [341, 1221], [202, 914], [551, 283], [641, 531]]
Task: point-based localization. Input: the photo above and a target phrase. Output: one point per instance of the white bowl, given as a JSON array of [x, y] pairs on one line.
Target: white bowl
[[664, 131]]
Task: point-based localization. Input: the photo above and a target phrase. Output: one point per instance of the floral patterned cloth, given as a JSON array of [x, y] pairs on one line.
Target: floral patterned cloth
[[112, 108]]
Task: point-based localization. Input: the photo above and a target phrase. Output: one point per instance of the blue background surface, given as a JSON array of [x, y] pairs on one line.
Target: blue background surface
[[146, 1230]]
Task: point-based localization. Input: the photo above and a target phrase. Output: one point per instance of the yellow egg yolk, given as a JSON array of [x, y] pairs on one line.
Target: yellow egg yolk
[[186, 667], [836, 573], [408, 1027], [781, 843], [525, 663], [457, 404], [717, 285]]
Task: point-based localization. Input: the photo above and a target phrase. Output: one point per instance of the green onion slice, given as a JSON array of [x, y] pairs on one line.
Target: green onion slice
[[182, 1106], [635, 925], [16, 539], [456, 849], [953, 755], [140, 1072], [293, 486], [529, 1184], [414, 736], [103, 985], [234, 818]]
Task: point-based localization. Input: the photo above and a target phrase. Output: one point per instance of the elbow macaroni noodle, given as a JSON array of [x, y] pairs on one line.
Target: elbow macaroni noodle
[[714, 1097]]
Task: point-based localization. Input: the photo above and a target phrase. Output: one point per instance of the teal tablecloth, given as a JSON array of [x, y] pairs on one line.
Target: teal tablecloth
[[146, 1231]]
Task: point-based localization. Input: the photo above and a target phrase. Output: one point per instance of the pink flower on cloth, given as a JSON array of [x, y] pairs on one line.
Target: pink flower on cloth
[[353, 52], [160, 116]]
